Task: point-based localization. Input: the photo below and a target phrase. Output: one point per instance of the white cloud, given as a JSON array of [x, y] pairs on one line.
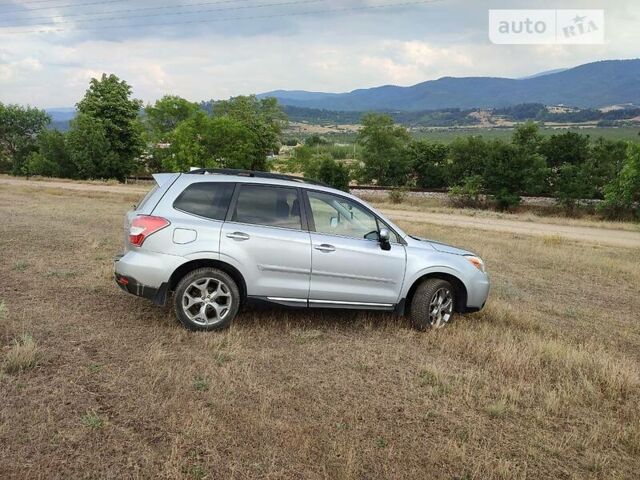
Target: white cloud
[[322, 53]]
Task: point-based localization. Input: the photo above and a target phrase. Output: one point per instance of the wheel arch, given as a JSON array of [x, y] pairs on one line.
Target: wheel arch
[[191, 265], [458, 285]]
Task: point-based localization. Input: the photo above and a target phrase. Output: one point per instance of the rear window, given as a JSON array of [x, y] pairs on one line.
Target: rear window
[[210, 200], [269, 206]]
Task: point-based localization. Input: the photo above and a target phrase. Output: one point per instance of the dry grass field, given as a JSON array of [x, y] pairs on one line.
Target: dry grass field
[[544, 383]]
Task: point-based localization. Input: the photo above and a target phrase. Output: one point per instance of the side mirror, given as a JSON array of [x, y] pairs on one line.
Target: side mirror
[[333, 222], [383, 237]]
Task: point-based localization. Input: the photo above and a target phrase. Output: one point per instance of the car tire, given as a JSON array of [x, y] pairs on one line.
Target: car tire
[[206, 299], [433, 304]]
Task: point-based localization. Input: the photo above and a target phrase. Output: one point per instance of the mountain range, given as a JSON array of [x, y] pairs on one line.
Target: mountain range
[[592, 85]]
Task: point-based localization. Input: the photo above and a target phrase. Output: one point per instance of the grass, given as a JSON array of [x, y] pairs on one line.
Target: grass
[[92, 420], [20, 266], [21, 355], [542, 383], [200, 384]]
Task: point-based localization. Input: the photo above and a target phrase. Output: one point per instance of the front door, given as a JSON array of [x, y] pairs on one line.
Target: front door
[[348, 265], [264, 238]]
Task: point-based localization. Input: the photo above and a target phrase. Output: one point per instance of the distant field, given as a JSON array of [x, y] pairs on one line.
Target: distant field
[[544, 383], [448, 135]]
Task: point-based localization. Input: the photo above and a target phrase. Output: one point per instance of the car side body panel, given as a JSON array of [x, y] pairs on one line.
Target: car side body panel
[[278, 264]]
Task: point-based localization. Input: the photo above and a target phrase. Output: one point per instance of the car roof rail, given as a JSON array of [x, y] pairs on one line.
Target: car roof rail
[[255, 174]]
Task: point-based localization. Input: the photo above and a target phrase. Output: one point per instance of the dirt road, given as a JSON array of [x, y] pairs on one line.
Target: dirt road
[[71, 185], [599, 236]]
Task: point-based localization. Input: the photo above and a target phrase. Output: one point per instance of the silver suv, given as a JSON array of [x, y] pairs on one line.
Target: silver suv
[[217, 239]]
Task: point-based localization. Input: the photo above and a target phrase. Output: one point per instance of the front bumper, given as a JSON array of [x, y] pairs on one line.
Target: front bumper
[[477, 293]]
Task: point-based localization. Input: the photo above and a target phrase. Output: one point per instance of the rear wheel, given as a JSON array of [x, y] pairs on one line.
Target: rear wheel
[[206, 299], [432, 304]]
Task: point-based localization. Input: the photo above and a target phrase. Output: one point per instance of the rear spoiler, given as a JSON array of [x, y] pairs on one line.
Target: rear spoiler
[[162, 178]]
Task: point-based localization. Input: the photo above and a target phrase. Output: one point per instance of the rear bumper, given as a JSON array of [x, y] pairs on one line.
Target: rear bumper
[[132, 286], [140, 274]]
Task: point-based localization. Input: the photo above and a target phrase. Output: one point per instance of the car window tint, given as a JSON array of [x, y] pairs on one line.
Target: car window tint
[[208, 199], [270, 206], [338, 216]]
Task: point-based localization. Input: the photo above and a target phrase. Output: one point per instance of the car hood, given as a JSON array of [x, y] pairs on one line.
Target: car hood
[[443, 247]]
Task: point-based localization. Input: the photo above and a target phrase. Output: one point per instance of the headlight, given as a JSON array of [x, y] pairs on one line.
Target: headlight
[[476, 262]]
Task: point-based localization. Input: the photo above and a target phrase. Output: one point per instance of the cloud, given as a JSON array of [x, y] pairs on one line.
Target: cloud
[[338, 51]]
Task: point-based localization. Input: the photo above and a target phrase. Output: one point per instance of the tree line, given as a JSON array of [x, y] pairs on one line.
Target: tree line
[[568, 166], [114, 136]]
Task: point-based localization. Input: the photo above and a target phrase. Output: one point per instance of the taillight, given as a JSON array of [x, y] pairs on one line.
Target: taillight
[[144, 225]]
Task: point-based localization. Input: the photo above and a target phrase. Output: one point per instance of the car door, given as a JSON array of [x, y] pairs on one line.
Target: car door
[[348, 265], [265, 237]]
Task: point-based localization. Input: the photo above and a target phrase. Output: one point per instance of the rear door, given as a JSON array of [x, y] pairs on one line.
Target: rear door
[[266, 238], [349, 267]]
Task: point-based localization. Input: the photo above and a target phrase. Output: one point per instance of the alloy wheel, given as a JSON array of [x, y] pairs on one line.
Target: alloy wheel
[[440, 307], [207, 301]]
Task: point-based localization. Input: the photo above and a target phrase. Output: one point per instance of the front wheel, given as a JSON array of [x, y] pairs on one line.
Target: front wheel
[[206, 299], [432, 304]]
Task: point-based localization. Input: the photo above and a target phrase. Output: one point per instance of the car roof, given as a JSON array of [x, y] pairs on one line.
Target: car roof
[[295, 182]]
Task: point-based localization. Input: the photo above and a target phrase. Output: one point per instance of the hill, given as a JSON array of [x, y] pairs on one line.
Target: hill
[[591, 85]]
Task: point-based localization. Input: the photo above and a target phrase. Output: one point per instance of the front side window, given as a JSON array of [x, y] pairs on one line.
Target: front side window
[[336, 215], [267, 205], [206, 199]]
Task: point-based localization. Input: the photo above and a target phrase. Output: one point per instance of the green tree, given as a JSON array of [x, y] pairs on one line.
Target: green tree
[[109, 102], [262, 117], [526, 136], [211, 142], [327, 170], [161, 118], [429, 162], [38, 164], [383, 150], [510, 171], [621, 195], [571, 184], [604, 163], [467, 157], [315, 140], [90, 150], [52, 146], [527, 141], [569, 147], [19, 127]]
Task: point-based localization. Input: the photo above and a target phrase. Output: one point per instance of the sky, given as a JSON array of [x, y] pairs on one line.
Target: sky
[[214, 49]]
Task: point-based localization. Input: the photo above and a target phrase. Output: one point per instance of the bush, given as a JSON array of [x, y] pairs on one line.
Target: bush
[[398, 195], [38, 164], [571, 186], [429, 162], [325, 169], [622, 195], [315, 140], [290, 142], [468, 194]]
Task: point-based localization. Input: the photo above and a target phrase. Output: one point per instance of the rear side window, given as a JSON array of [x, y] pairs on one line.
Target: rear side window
[[147, 197], [210, 199], [270, 206]]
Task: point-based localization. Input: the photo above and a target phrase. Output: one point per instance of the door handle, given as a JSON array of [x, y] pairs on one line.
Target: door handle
[[240, 236], [325, 247]]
